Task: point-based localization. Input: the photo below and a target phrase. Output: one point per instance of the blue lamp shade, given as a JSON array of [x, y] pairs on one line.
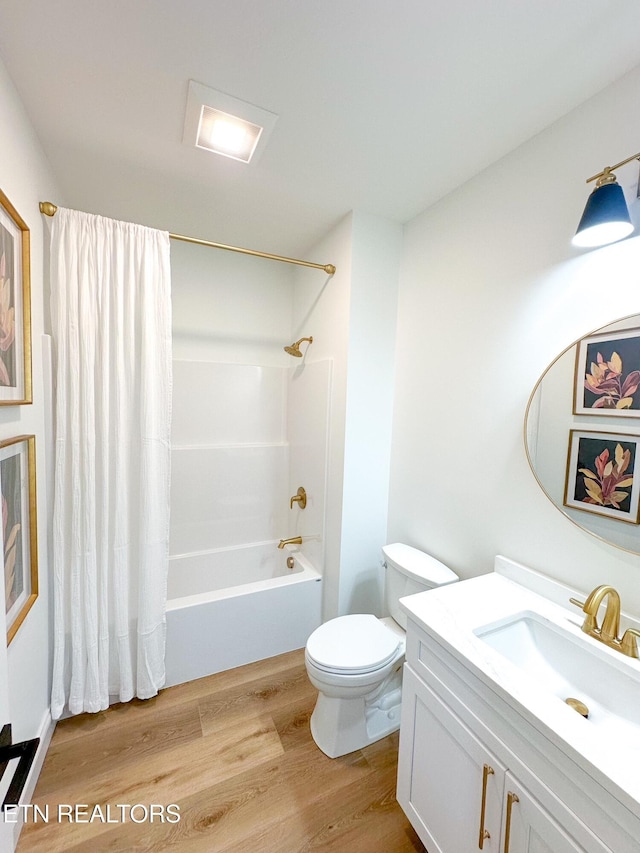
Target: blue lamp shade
[[605, 218]]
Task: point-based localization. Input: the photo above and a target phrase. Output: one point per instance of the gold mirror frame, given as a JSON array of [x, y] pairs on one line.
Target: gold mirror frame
[[583, 525]]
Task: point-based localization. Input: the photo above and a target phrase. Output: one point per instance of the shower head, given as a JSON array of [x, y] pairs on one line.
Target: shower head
[[294, 349]]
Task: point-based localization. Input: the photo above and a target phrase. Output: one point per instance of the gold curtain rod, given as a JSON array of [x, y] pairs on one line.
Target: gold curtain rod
[[49, 209]]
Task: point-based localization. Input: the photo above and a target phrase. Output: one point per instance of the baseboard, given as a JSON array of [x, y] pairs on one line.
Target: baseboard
[[47, 727]]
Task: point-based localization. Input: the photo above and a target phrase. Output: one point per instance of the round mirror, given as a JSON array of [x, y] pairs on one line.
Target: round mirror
[[582, 433]]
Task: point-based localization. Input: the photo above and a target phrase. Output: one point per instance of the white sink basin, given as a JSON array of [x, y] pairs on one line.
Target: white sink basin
[[514, 632], [566, 663]]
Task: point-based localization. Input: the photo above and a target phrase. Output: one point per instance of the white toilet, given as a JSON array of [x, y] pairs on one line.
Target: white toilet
[[355, 662]]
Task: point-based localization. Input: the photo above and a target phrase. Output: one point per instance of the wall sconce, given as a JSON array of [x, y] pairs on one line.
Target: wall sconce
[[606, 215]]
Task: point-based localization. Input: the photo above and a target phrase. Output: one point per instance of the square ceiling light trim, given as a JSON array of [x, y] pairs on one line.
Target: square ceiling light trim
[[227, 135], [225, 125]]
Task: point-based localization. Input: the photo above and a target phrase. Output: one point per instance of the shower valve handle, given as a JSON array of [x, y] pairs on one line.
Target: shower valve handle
[[300, 498]]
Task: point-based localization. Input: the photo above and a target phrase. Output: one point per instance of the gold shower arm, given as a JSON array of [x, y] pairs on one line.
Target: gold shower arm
[[49, 209]]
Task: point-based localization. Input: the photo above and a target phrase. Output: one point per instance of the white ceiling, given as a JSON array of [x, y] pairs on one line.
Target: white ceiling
[[384, 105]]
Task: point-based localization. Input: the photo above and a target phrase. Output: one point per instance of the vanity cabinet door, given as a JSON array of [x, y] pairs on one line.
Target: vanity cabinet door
[[529, 828], [449, 785]]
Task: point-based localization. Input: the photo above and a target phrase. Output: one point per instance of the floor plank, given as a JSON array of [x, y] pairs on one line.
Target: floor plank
[[169, 777], [82, 724], [131, 739], [238, 810], [234, 751], [262, 695]]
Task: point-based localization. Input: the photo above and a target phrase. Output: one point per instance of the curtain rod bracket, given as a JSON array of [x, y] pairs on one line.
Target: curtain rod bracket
[[49, 209]]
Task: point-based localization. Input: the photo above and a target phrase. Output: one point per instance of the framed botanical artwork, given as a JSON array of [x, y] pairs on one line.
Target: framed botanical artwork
[[19, 528], [15, 307], [607, 377], [602, 474]]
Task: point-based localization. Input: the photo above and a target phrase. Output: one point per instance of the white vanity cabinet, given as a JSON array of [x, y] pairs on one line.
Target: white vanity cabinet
[[458, 795], [441, 774], [474, 776]]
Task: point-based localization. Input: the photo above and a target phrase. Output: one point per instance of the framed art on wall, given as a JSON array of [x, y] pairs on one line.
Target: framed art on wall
[[607, 377], [19, 528], [602, 474], [15, 307]]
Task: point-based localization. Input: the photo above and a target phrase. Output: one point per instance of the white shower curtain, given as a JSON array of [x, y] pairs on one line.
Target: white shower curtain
[[111, 317]]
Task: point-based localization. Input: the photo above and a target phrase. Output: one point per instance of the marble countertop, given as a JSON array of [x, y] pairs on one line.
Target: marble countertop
[[451, 614]]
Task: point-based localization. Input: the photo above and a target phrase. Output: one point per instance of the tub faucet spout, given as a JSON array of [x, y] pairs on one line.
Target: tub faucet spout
[[297, 540]]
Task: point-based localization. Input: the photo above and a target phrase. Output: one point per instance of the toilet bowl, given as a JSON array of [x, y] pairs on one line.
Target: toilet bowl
[[355, 662]]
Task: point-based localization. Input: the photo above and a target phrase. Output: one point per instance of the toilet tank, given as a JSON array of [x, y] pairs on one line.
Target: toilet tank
[[408, 571]]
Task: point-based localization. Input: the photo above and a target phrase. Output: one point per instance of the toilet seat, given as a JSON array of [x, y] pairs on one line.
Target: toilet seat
[[355, 644]]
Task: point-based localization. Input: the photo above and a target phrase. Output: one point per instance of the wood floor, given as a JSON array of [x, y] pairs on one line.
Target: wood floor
[[234, 752]]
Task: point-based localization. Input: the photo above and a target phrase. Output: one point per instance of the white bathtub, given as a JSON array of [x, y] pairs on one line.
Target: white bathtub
[[234, 606]]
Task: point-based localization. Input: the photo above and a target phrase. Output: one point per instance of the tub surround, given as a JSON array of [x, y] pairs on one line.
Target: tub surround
[[594, 771], [244, 438], [230, 456]]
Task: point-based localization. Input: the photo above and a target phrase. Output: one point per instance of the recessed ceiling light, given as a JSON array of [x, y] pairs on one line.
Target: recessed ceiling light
[[227, 135], [225, 125]]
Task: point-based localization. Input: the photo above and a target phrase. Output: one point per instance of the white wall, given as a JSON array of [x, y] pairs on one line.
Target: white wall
[[229, 307], [25, 666], [351, 316], [25, 179], [375, 265], [491, 291]]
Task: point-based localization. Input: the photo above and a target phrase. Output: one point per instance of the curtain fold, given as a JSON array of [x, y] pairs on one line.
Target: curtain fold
[[111, 318]]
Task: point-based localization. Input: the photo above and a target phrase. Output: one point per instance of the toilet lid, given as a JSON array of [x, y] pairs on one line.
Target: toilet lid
[[358, 643]]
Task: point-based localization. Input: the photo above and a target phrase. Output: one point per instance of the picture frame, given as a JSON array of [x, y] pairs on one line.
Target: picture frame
[[19, 528], [15, 307], [607, 375], [603, 474]]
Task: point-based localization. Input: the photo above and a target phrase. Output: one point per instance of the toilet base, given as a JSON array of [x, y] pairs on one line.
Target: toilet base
[[339, 726]]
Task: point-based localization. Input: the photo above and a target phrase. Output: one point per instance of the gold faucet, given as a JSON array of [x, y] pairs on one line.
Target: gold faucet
[[611, 621], [297, 540], [607, 633]]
